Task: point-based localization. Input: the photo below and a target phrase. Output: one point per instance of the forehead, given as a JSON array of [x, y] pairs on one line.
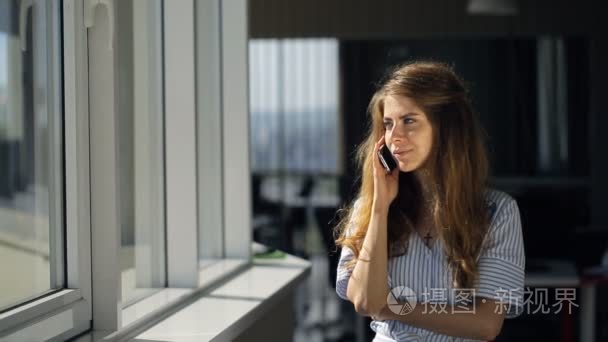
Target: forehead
[[396, 105]]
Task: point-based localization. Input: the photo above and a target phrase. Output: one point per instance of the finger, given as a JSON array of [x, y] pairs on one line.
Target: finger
[[374, 155], [377, 165], [379, 144]]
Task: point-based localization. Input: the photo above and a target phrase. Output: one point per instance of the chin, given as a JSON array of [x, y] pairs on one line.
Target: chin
[[407, 168]]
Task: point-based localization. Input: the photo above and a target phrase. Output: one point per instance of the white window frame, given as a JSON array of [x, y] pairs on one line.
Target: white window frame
[[222, 97], [105, 215], [67, 312], [209, 130], [184, 116], [206, 51], [187, 111], [91, 170], [180, 144], [235, 129]]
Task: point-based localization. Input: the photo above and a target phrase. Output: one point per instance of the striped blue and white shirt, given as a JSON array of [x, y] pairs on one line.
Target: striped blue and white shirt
[[424, 270]]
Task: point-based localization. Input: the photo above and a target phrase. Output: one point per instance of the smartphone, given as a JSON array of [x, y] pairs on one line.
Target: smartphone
[[386, 159]]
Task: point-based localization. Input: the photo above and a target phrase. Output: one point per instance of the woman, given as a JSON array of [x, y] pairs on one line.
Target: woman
[[430, 226]]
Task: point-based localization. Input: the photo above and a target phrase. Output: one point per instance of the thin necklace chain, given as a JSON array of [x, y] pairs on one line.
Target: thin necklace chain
[[428, 224]]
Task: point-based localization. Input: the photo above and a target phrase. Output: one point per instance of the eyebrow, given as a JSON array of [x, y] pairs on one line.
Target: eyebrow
[[402, 116]]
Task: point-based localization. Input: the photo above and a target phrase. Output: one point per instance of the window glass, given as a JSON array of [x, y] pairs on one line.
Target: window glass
[[31, 175], [140, 140]]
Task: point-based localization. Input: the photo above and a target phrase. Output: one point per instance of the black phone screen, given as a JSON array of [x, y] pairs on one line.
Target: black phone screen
[[386, 158]]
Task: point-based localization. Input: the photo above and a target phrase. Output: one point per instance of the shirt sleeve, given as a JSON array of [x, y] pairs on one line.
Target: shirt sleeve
[[344, 272], [502, 261], [346, 255]]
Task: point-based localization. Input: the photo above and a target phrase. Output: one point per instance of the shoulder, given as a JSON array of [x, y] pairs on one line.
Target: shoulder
[[351, 226], [505, 222], [504, 238], [499, 204], [357, 204]]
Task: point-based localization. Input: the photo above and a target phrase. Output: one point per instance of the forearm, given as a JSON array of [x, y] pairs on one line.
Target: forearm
[[483, 323], [368, 285]]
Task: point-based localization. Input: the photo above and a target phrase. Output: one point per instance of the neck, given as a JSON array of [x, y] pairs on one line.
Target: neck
[[425, 182]]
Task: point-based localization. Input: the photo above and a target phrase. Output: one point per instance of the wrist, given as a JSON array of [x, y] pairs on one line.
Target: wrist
[[379, 208]]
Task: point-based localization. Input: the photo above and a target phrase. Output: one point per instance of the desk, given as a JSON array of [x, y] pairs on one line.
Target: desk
[[551, 273], [294, 204]]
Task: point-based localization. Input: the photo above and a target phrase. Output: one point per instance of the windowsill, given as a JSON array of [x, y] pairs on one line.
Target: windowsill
[[212, 271], [231, 296], [209, 275], [227, 311], [39, 307], [155, 302]]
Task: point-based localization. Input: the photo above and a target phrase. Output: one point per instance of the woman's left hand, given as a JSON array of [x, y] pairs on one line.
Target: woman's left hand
[[383, 315]]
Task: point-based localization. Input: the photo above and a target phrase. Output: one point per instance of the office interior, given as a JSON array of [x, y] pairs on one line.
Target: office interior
[[175, 170]]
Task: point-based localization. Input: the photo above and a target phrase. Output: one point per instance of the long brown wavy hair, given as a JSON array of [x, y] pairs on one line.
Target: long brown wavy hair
[[457, 168]]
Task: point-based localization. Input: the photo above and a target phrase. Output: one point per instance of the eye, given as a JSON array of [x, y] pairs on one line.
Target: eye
[[387, 124], [409, 120]]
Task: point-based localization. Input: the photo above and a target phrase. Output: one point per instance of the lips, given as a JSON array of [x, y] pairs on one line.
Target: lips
[[401, 153]]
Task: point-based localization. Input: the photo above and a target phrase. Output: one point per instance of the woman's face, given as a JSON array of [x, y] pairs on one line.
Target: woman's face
[[408, 132]]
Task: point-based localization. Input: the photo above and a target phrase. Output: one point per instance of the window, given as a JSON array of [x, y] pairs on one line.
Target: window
[[295, 136], [104, 110], [294, 108], [31, 145], [45, 253], [221, 137]]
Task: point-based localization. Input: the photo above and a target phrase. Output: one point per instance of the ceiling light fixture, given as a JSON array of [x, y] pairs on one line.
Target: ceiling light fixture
[[492, 7]]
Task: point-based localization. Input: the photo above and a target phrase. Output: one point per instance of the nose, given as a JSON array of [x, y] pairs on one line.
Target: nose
[[397, 134]]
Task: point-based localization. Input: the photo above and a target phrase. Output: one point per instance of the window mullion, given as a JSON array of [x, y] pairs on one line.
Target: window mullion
[[235, 121], [180, 144], [209, 130], [103, 130], [77, 186]]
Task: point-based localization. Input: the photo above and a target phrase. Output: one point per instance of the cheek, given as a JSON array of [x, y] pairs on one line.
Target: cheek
[[422, 139], [428, 141]]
